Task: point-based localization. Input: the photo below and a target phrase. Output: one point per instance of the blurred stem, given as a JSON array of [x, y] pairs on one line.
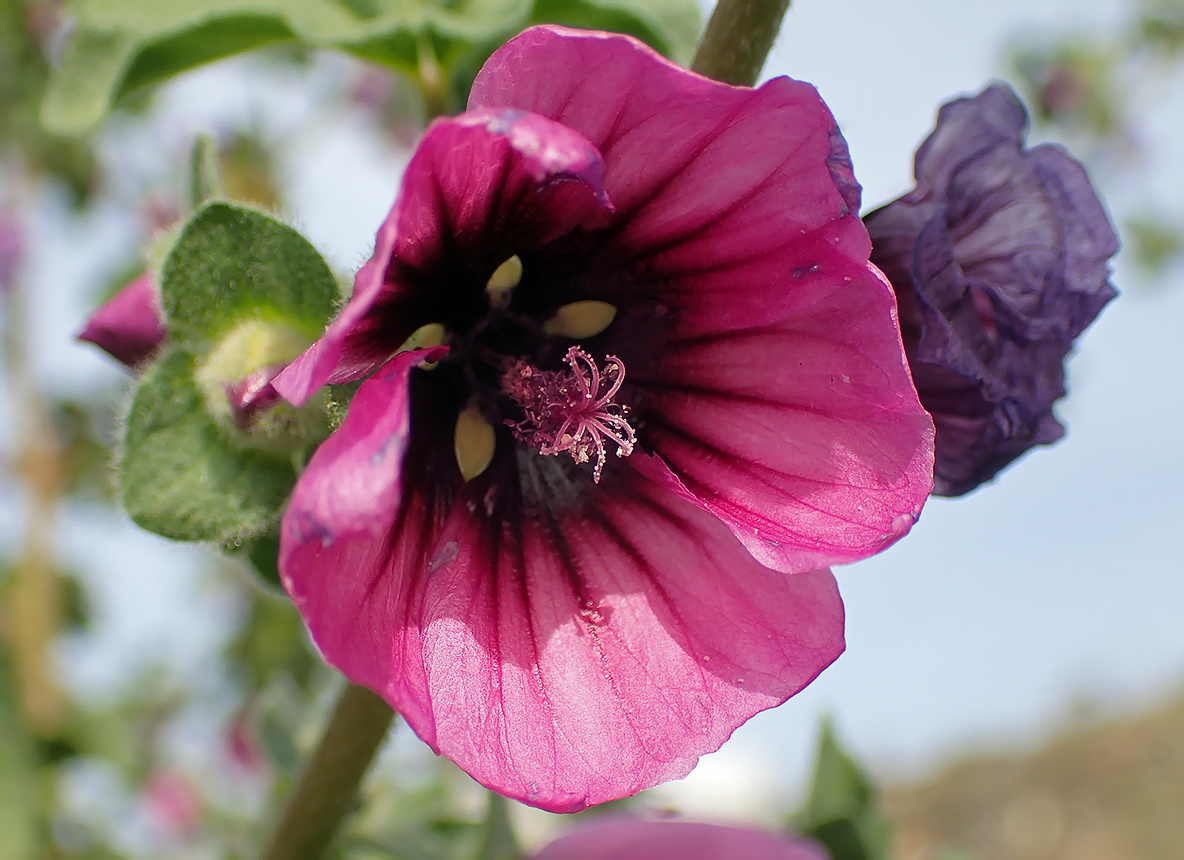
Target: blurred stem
[[329, 784], [738, 39], [497, 841], [431, 80], [34, 604]]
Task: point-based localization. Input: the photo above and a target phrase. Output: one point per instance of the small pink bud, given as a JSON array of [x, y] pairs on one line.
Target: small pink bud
[[130, 326], [253, 395]]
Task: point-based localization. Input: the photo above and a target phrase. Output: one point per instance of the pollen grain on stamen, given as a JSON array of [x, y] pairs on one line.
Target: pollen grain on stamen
[[571, 411]]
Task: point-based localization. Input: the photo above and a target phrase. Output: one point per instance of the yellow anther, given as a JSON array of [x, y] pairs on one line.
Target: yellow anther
[[474, 443], [581, 319], [504, 278], [425, 336]]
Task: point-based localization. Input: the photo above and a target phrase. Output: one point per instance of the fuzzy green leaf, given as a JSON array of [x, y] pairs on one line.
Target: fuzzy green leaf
[[178, 474], [231, 264]]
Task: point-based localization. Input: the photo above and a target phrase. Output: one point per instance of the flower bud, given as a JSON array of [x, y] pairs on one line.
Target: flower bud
[[236, 381], [129, 326]]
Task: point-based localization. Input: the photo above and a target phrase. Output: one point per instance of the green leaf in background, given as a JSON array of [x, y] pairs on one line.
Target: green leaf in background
[[178, 474], [841, 812], [669, 26], [82, 86], [232, 264], [120, 46]]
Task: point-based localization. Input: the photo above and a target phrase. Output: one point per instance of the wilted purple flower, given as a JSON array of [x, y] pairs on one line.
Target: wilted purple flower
[[999, 261], [129, 326]]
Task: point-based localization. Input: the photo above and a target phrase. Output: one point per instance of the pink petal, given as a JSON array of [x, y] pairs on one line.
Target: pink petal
[[636, 839], [783, 400], [721, 192], [130, 326], [351, 483], [480, 188], [804, 435], [565, 656]]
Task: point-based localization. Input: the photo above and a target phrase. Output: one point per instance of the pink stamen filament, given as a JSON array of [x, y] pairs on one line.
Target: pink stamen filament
[[560, 419]]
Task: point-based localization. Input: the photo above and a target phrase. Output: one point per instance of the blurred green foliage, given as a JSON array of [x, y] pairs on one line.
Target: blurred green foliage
[[842, 812], [26, 30], [117, 47]]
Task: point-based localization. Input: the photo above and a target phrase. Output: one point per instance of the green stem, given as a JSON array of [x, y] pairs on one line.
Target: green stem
[[497, 841], [329, 784], [738, 39]]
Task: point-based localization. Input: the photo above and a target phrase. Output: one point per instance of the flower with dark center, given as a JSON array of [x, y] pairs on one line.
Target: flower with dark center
[[632, 387], [999, 258]]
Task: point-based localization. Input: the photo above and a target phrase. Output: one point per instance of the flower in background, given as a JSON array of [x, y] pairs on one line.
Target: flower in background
[[173, 804], [637, 386], [635, 839], [11, 250], [999, 258], [129, 326]]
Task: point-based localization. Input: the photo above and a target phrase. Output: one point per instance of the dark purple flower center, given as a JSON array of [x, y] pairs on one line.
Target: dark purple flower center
[[516, 367]]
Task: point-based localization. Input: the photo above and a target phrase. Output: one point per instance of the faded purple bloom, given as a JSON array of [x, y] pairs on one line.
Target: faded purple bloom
[[130, 326], [999, 258], [582, 534], [636, 839]]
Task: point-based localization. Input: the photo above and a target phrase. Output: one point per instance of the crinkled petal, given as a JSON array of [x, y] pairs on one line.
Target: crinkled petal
[[479, 188], [574, 654], [130, 326], [720, 191], [966, 129], [637, 839], [1087, 237], [805, 435]]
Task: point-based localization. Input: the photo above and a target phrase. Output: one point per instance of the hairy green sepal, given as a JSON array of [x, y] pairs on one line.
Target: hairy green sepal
[[178, 474], [241, 291]]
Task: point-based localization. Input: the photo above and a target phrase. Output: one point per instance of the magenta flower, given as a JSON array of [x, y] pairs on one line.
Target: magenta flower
[[130, 326], [999, 258], [559, 543], [635, 839]]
